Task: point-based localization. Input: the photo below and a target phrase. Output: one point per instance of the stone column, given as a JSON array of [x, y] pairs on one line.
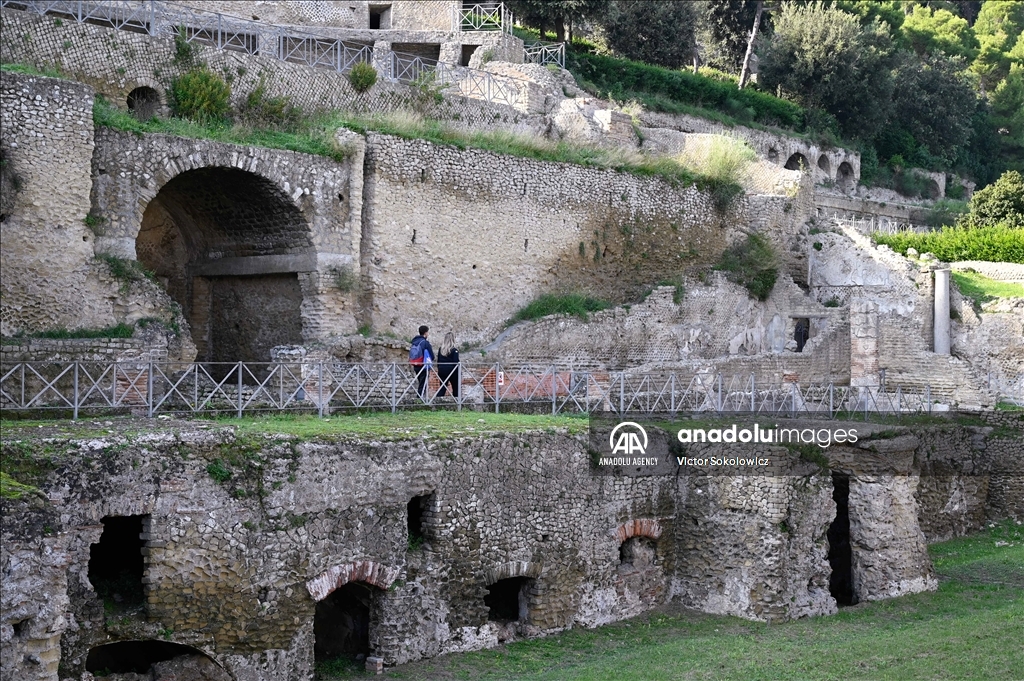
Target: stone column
[[864, 343], [941, 316]]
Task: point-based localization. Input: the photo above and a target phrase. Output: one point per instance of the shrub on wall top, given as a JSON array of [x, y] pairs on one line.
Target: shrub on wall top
[[200, 95], [362, 77]]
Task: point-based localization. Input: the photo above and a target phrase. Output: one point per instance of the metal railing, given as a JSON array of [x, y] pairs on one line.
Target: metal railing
[[544, 53], [487, 16], [151, 388], [167, 19], [876, 224]]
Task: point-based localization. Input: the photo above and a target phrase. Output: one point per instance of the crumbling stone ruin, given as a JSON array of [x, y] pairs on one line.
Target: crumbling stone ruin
[[154, 546]]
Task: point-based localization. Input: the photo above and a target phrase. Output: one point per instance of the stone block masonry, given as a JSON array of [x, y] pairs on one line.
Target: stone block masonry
[[242, 537]]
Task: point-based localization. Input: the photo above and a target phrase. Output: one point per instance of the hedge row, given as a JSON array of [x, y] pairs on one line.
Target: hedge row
[[999, 243], [620, 77]]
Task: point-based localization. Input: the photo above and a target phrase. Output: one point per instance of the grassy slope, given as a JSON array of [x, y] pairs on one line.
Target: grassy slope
[[981, 289], [964, 631]]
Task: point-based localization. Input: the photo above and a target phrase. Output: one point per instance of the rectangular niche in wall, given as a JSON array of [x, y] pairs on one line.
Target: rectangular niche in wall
[[380, 17], [508, 600], [117, 564], [418, 519]]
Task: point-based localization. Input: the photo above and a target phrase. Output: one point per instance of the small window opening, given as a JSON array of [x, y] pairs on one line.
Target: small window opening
[[116, 563], [341, 623], [840, 553], [638, 552], [380, 17], [508, 600], [416, 521], [801, 333], [21, 628], [467, 54]]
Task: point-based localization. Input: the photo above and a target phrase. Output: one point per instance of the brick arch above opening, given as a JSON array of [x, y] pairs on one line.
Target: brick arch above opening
[[368, 571], [638, 527], [515, 568]]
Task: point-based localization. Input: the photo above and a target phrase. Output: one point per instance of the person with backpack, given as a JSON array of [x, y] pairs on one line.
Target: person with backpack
[[421, 357], [448, 365]]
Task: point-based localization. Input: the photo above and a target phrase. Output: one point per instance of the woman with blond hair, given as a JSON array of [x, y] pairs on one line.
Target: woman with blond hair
[[448, 365]]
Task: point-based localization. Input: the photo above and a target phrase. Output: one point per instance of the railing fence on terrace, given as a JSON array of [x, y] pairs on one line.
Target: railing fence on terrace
[[167, 19], [872, 225], [544, 53], [484, 16], [152, 388]]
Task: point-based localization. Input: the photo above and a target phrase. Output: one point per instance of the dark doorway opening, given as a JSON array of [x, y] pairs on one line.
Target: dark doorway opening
[[840, 554], [638, 552], [144, 103], [116, 563], [801, 333], [415, 510], [508, 600], [341, 624], [467, 54], [137, 657], [797, 162]]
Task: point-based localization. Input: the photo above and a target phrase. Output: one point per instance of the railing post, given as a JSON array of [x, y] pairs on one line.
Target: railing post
[[497, 389], [622, 392], [719, 400], [554, 401], [753, 394], [239, 369], [672, 393], [928, 397], [394, 402], [220, 34], [149, 388], [76, 392], [320, 387], [831, 410]]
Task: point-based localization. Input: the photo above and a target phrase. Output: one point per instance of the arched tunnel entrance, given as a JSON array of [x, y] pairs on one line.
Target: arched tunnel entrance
[[229, 246]]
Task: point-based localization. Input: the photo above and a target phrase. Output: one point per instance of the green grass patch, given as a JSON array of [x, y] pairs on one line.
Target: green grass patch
[[12, 489], [116, 331], [751, 264], [981, 289], [998, 243], [573, 304], [965, 630], [29, 70]]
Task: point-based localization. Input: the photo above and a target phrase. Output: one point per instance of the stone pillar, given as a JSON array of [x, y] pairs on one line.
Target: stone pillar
[[864, 343], [941, 317]]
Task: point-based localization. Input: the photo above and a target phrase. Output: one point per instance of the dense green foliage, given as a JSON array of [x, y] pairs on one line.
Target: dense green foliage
[[573, 304], [1000, 202], [996, 243], [751, 264], [725, 30], [651, 31], [969, 628], [622, 79], [262, 111], [200, 95], [362, 77]]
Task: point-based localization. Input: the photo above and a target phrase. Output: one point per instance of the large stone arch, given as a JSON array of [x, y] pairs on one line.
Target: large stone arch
[[247, 240], [797, 161]]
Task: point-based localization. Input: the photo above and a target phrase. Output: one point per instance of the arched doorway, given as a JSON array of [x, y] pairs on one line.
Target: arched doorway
[[844, 177], [342, 622], [797, 162], [824, 166], [229, 246], [144, 103]]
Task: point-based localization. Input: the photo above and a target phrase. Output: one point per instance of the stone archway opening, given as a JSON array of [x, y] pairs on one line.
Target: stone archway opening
[[797, 162], [824, 166], [638, 553], [342, 623], [840, 552], [230, 247], [154, 659], [508, 600], [144, 103], [844, 177]]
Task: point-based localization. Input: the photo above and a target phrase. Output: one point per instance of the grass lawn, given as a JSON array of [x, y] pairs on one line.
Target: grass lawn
[[981, 289], [971, 628]]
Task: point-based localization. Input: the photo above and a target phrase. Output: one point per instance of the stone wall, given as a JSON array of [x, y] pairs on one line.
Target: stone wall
[[234, 568], [461, 239]]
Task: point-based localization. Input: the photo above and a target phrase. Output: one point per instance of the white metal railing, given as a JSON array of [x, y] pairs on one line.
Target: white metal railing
[[150, 388], [544, 53], [167, 19], [879, 224], [486, 16]]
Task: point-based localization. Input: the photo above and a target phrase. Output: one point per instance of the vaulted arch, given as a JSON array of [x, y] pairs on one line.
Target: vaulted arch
[[368, 571]]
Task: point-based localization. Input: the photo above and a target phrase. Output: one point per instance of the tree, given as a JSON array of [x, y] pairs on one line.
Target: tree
[[1004, 18], [744, 70], [934, 102], [1001, 201], [939, 31], [556, 14], [822, 58], [1008, 107], [725, 29], [651, 31]]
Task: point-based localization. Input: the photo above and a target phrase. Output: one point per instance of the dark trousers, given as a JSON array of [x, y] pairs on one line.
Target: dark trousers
[[449, 375], [421, 378]]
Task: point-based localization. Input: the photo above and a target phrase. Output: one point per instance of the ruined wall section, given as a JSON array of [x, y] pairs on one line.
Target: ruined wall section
[[461, 239]]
